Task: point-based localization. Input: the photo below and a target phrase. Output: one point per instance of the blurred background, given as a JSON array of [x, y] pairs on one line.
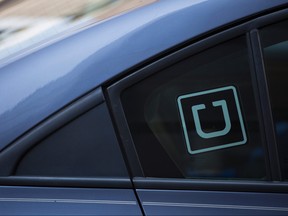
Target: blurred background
[[27, 22]]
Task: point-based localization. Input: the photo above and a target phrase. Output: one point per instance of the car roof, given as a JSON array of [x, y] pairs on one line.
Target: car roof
[[41, 81]]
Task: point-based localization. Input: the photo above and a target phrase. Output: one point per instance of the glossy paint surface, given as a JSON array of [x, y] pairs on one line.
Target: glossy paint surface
[[36, 85], [185, 202], [67, 201]]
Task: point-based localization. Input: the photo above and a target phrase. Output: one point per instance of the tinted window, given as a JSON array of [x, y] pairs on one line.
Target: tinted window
[[85, 147], [198, 118], [275, 49]]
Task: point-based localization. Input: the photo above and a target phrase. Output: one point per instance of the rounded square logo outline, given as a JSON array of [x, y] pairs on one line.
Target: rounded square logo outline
[[227, 145]]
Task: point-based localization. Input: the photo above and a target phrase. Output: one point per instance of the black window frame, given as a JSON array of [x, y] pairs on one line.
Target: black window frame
[[192, 47], [264, 40], [13, 153]]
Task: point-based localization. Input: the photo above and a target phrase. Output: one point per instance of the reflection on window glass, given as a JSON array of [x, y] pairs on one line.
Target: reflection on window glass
[[198, 118], [275, 49]]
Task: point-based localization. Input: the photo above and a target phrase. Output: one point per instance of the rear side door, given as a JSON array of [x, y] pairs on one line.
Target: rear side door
[[198, 127], [70, 164]]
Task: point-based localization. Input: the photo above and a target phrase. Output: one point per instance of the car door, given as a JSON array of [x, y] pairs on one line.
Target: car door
[[70, 164], [197, 125]]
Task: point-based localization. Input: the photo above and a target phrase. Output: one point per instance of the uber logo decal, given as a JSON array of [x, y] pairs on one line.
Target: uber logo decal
[[211, 120]]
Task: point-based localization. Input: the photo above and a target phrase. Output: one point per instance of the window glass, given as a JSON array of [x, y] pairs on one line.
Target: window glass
[[275, 50], [198, 118], [85, 147]]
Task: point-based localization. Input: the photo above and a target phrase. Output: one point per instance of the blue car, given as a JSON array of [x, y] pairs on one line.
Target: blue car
[[176, 108]]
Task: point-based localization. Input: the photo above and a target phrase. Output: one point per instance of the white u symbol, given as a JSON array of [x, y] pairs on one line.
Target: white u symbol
[[199, 130]]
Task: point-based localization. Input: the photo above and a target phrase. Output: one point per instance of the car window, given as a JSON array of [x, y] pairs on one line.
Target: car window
[[85, 147], [274, 40], [198, 117]]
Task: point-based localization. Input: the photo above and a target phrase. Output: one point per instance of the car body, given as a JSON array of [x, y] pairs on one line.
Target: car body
[[104, 120]]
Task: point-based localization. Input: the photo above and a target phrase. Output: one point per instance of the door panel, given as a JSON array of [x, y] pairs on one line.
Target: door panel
[[67, 201], [184, 202]]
